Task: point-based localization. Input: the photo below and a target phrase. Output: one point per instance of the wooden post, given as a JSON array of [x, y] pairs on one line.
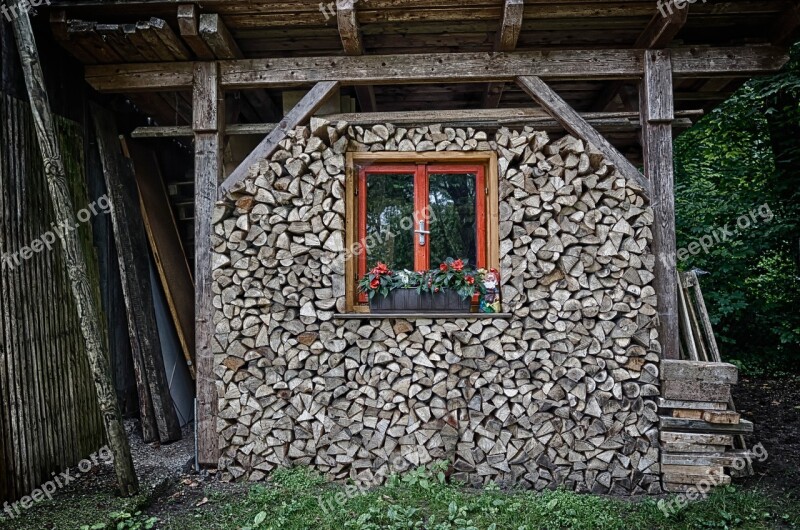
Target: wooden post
[[208, 126], [657, 112], [88, 312]]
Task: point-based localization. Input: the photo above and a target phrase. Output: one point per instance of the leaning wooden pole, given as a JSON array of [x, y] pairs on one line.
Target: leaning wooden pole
[[88, 313]]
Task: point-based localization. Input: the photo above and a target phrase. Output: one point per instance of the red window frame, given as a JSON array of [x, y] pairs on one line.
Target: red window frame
[[421, 172]]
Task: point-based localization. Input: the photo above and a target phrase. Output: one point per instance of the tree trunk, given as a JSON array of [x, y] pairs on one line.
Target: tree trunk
[[76, 264]]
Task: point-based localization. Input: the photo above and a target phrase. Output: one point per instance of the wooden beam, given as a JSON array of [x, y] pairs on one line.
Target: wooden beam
[[576, 125], [353, 44], [659, 33], [134, 264], [439, 67], [477, 118], [208, 124], [506, 41], [312, 101], [169, 40], [657, 111], [74, 259], [165, 244], [189, 27], [218, 38]]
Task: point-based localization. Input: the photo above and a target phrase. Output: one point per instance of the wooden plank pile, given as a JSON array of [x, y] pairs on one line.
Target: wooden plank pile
[[562, 393], [697, 426]]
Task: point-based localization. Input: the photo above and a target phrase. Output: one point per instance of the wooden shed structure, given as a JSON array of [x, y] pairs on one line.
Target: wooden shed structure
[[275, 108]]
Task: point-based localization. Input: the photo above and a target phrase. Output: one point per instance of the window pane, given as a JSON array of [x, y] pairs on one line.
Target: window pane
[[390, 209], [454, 222]]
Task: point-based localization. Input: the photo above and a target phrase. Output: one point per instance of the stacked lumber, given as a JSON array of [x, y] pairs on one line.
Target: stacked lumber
[[562, 393], [697, 427]]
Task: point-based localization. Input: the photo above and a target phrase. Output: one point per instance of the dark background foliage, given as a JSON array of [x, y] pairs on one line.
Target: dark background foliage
[[741, 156]]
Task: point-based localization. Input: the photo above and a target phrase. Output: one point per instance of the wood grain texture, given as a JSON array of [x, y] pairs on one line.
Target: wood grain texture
[[505, 41], [353, 44], [657, 149], [75, 261], [189, 27], [134, 263], [166, 246], [209, 109]]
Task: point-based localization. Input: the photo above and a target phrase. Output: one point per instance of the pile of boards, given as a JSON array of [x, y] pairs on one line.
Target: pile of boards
[[697, 425]]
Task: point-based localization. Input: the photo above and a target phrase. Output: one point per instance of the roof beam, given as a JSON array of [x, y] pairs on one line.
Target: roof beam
[[307, 106], [353, 44], [659, 33], [577, 126], [506, 41], [477, 118], [439, 68], [189, 27]]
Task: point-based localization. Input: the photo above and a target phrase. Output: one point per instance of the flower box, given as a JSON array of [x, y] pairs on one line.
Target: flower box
[[411, 301]]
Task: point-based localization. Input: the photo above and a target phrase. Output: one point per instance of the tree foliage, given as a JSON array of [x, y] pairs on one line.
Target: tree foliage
[[744, 155]]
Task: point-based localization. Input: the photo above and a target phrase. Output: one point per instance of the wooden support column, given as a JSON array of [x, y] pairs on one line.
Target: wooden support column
[[353, 44], [307, 106], [657, 113], [506, 41], [208, 126], [576, 125], [75, 261]]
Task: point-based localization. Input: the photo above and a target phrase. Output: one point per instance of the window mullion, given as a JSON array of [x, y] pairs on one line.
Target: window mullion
[[421, 207]]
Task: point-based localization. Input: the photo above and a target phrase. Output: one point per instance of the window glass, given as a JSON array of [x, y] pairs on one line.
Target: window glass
[[390, 209], [453, 222]]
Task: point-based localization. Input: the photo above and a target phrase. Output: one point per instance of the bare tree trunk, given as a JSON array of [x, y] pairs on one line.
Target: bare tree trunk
[[76, 264]]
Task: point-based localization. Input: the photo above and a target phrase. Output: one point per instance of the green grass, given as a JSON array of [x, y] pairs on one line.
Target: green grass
[[421, 499]]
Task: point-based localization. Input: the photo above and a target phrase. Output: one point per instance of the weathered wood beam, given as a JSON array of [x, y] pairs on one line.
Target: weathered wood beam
[[657, 112], [506, 41], [168, 38], [353, 44], [134, 264], [208, 124], [440, 67], [486, 118], [307, 106], [576, 125], [189, 27], [74, 259], [658, 34]]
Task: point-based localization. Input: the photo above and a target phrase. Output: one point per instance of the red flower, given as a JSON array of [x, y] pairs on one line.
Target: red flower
[[458, 265], [470, 280], [375, 283], [443, 267], [436, 290]]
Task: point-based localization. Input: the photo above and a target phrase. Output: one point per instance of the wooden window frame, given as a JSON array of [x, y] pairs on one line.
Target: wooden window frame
[[405, 161]]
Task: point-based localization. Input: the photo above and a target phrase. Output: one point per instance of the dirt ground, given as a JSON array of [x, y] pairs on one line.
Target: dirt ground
[[773, 405]]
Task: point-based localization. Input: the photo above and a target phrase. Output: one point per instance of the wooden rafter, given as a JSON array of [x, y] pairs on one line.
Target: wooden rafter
[[439, 67], [353, 44], [310, 103], [576, 125], [659, 33], [506, 41], [189, 27]]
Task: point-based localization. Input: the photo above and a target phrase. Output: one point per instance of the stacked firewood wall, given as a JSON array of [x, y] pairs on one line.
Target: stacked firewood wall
[[563, 392]]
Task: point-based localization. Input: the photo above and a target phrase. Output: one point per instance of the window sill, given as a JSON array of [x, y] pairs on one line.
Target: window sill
[[420, 316]]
